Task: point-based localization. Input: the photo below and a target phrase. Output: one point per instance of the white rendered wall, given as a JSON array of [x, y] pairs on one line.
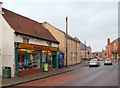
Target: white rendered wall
[[7, 46], [0, 45], [19, 38]]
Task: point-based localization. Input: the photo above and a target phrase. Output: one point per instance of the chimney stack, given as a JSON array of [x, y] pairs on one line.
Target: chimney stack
[[108, 41]]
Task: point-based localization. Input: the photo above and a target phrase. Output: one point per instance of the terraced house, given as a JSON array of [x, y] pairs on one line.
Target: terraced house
[[73, 44], [25, 45]]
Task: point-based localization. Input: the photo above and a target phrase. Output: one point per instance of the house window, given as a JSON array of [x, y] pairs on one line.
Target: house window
[[76, 56], [49, 43], [115, 46], [71, 55], [25, 40]]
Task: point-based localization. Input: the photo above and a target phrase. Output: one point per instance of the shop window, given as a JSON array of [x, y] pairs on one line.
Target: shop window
[[25, 40], [28, 59], [47, 57]]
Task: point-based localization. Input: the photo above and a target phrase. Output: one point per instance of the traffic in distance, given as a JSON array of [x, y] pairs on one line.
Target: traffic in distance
[[96, 62]]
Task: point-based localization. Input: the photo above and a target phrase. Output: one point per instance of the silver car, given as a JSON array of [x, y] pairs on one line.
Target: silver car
[[94, 62], [108, 61]]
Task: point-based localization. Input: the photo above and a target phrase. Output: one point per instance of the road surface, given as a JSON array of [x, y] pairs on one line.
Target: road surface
[[86, 76]]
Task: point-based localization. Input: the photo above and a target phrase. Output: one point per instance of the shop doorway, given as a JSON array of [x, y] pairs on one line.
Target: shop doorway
[[47, 58], [54, 63]]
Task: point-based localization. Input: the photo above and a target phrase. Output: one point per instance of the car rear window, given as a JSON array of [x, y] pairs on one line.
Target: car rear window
[[107, 59], [94, 60]]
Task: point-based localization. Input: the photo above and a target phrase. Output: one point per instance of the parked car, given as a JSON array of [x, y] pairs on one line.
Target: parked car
[[101, 59], [108, 61], [94, 62]]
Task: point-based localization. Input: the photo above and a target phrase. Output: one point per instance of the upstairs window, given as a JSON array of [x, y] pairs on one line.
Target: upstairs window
[[49, 43], [25, 40], [115, 46]]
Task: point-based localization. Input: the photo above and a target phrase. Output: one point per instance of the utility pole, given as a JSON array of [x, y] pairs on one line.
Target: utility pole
[[85, 49], [76, 52], [66, 39]]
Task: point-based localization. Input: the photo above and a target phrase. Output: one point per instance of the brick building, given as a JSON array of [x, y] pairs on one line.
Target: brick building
[[113, 48]]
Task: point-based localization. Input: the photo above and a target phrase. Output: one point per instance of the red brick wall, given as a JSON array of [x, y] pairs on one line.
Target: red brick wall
[[110, 49]]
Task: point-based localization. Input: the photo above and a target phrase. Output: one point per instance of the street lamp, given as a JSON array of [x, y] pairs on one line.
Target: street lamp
[[66, 38], [88, 55], [85, 49]]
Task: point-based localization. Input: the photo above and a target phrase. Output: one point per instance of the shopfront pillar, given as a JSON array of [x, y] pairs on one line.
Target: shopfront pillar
[[41, 62], [56, 59], [16, 58]]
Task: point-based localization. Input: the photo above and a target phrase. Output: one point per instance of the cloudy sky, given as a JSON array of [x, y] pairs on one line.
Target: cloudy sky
[[90, 21]]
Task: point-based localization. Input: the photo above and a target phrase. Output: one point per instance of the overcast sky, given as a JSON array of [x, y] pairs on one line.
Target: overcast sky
[[90, 21]]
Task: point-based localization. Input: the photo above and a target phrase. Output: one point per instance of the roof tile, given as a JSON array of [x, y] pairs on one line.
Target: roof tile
[[27, 26]]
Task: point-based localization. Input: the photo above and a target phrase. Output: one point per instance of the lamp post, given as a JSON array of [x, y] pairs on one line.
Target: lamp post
[[88, 55], [85, 49], [113, 54], [66, 39]]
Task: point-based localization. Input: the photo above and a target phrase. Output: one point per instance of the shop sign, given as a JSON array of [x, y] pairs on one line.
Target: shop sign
[[36, 47]]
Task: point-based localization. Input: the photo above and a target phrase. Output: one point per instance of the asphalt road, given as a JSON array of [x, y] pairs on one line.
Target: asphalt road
[[86, 76]]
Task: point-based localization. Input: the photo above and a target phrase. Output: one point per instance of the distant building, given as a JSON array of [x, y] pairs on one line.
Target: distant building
[[113, 48], [73, 44], [97, 55], [85, 51], [103, 53]]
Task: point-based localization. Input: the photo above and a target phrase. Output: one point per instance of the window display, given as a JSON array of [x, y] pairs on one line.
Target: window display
[[28, 59], [47, 57]]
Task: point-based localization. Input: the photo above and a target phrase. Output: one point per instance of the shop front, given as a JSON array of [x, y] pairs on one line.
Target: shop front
[[29, 58]]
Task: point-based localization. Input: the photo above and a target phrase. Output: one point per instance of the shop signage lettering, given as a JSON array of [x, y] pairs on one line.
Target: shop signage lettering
[[36, 47], [41, 48]]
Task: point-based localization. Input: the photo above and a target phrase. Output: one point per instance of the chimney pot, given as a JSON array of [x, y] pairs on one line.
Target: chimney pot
[[108, 41]]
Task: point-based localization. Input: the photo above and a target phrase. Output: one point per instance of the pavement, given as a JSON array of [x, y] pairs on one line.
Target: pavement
[[8, 82]]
